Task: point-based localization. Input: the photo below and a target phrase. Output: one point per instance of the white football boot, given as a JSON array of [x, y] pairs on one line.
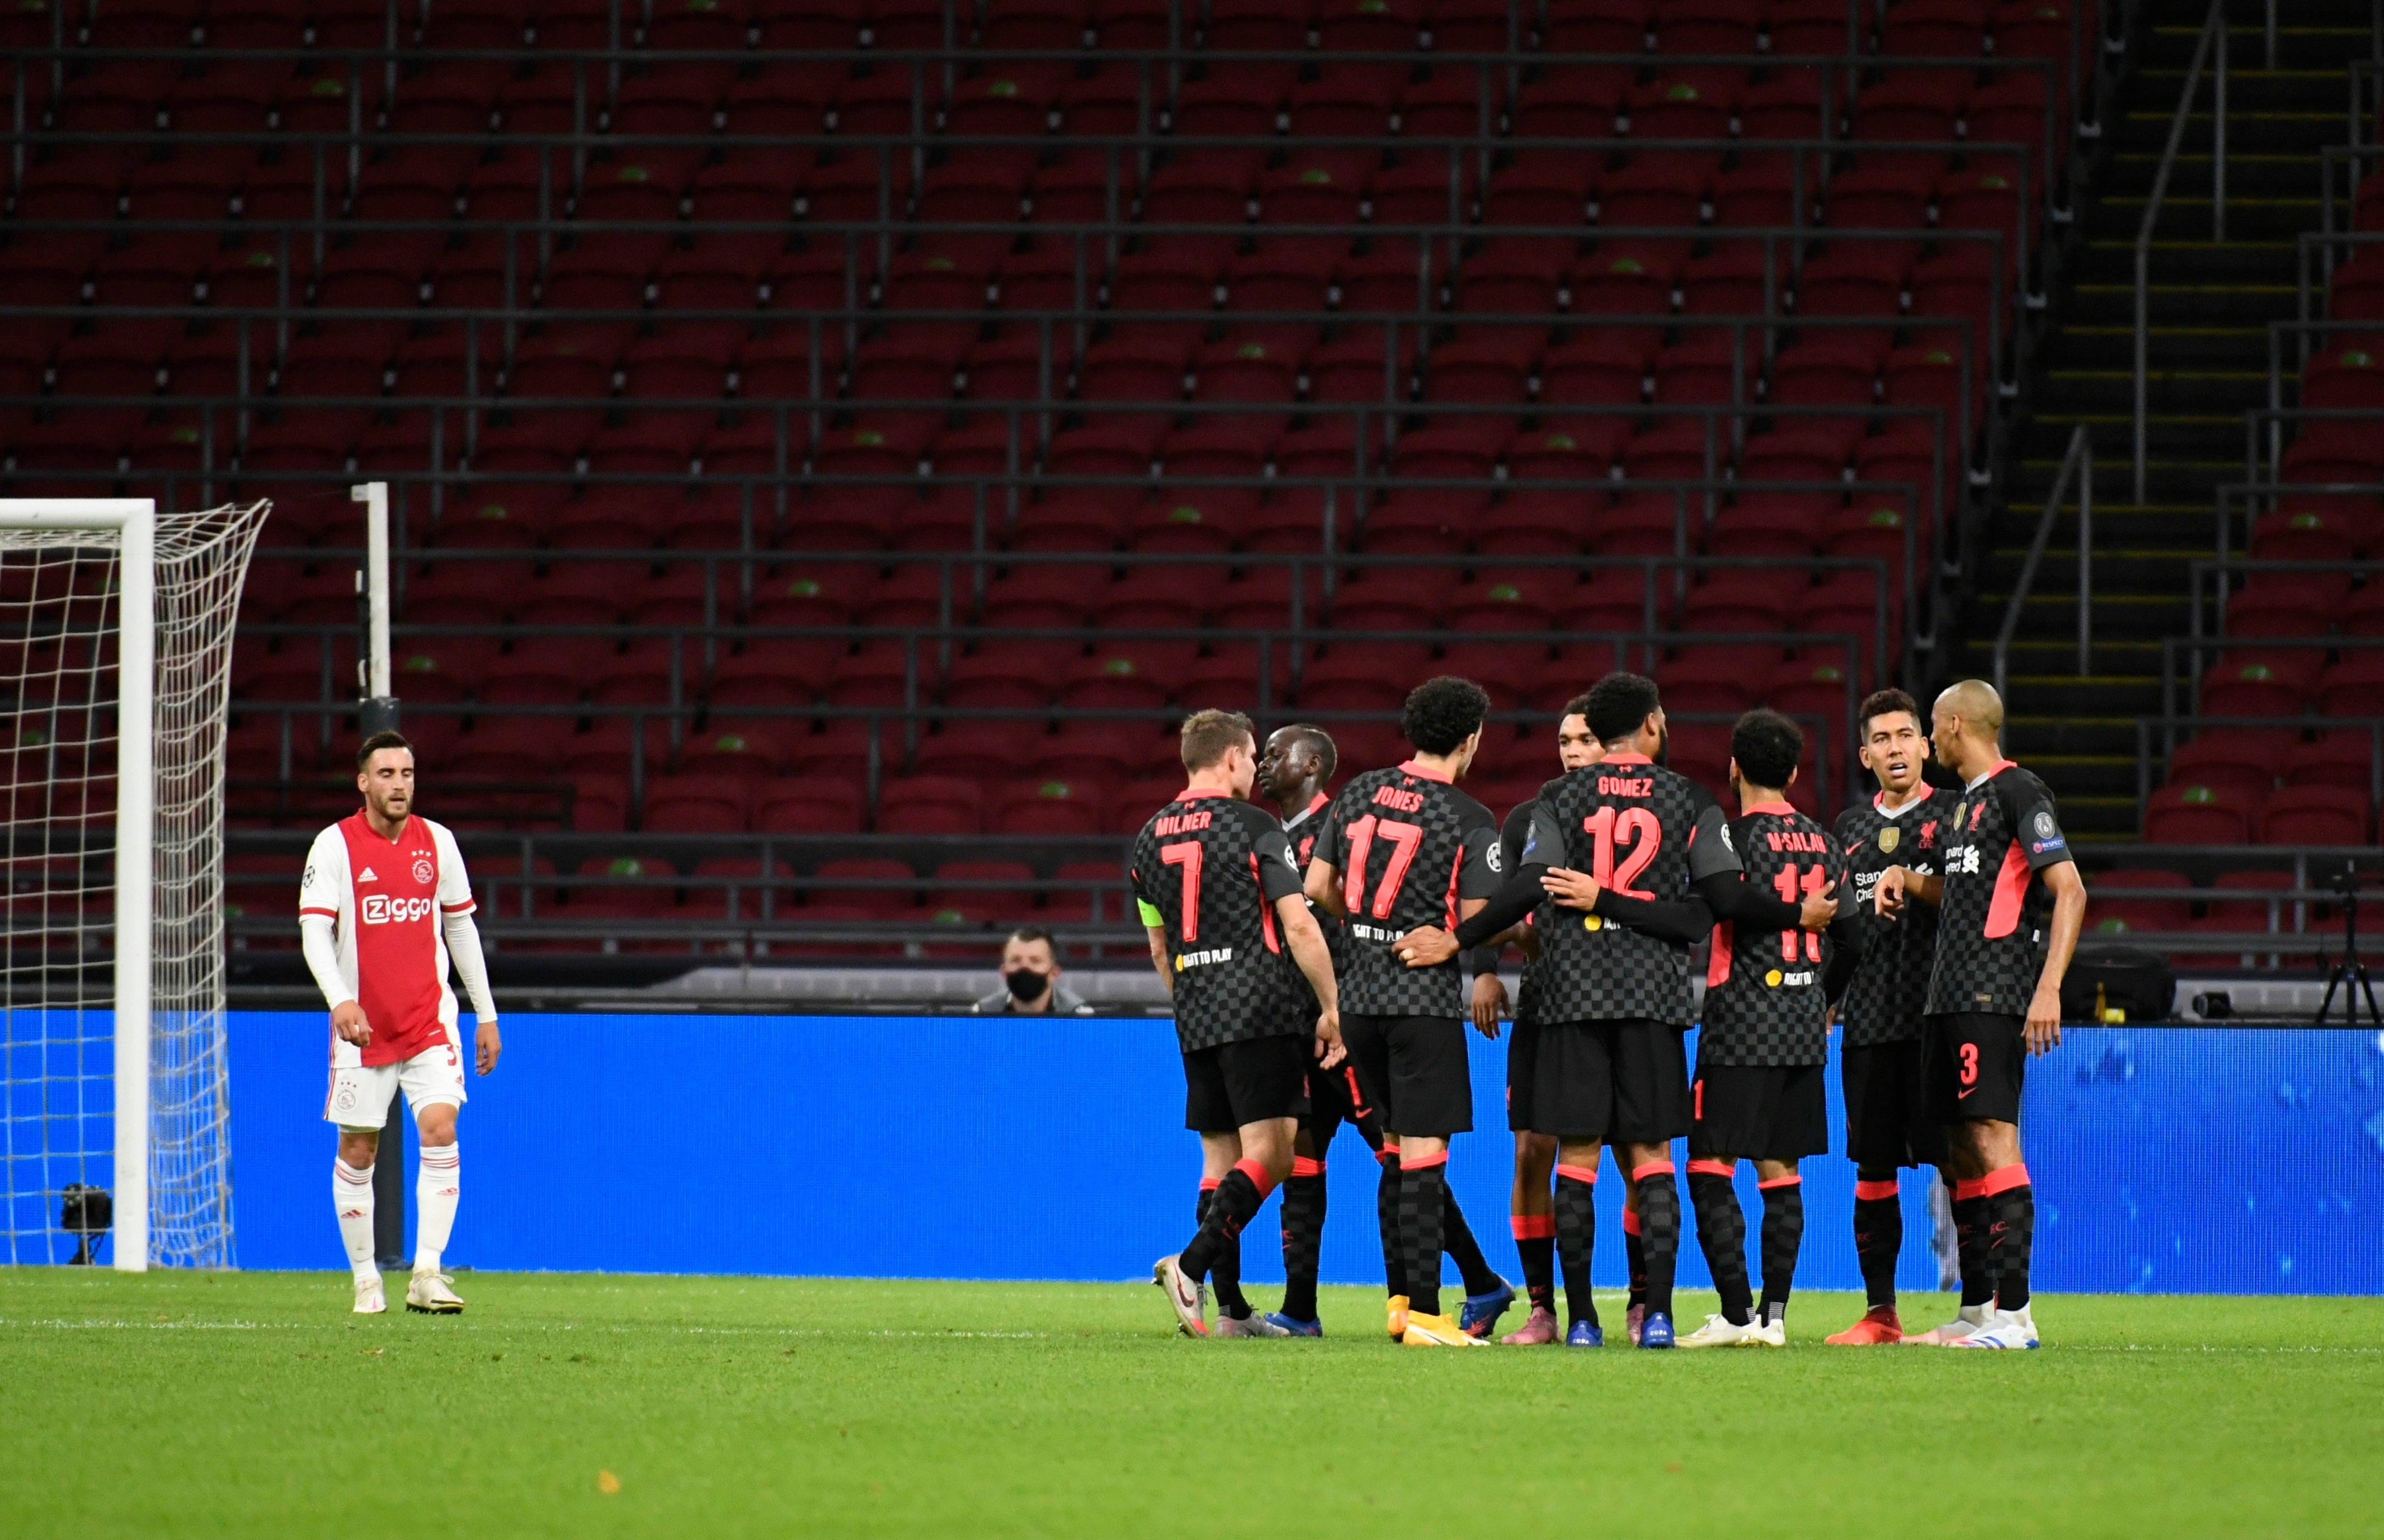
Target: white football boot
[[1190, 1301], [1763, 1334], [429, 1294], [370, 1300], [2003, 1329], [1254, 1325], [1971, 1319], [1717, 1333]]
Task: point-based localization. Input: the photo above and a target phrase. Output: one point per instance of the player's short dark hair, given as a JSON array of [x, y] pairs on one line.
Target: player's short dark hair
[[1442, 712], [376, 743], [1577, 706], [1618, 703], [1209, 735], [1026, 935], [1886, 702], [1328, 754], [1767, 746]]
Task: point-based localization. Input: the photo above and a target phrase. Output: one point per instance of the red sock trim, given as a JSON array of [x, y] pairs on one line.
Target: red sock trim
[[1532, 1226], [1426, 1163], [1578, 1173], [1968, 1188], [1872, 1192], [1209, 1184], [1640, 1173], [1711, 1168], [1794, 1179], [1629, 1222], [1257, 1174], [1387, 1155], [2003, 1180], [1303, 1166]]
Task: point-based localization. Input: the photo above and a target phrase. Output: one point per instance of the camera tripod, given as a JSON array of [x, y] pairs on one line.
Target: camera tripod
[[2348, 973]]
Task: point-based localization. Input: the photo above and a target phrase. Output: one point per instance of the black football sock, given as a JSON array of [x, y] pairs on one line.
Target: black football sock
[[1878, 1235], [1226, 1273], [1226, 1278], [1456, 1239], [1970, 1245], [2011, 1231], [1659, 1230], [1576, 1224], [1230, 1208], [1423, 1198], [1634, 1254], [1387, 1216], [1784, 1236], [1721, 1233], [1536, 1244], [1303, 1236]]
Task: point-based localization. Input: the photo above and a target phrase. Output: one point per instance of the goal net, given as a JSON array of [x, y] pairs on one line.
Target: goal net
[[115, 631]]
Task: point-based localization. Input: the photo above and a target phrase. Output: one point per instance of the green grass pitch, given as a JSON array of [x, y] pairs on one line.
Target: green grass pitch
[[254, 1404]]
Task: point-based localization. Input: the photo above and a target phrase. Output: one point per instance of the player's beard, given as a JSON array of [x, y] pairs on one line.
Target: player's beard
[[1664, 746]]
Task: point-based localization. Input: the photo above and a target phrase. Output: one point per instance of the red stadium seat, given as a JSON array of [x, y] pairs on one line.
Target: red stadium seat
[[930, 804], [2196, 813], [2316, 815]]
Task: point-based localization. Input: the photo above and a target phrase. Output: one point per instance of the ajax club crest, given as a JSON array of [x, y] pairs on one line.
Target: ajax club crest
[[422, 869]]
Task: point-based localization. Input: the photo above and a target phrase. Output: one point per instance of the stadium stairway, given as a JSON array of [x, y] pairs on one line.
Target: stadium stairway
[[2210, 305]]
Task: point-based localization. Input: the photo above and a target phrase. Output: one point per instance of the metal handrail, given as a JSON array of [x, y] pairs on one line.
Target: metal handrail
[[2214, 29], [2079, 462]]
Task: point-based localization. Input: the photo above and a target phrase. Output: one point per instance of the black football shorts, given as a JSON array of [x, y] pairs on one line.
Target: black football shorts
[[1523, 1065], [1976, 1066], [1611, 1082], [1888, 1118], [1759, 1112], [1233, 1085], [1413, 1070]]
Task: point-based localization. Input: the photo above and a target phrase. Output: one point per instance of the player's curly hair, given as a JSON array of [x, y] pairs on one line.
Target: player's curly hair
[[1767, 746], [1618, 703], [1887, 702], [1442, 712], [1577, 706]]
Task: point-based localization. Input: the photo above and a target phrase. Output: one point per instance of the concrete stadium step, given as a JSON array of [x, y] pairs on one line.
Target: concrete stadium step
[[2077, 344], [2078, 392]]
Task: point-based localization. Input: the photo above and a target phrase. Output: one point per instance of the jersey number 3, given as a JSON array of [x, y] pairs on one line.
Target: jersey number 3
[[1405, 839]]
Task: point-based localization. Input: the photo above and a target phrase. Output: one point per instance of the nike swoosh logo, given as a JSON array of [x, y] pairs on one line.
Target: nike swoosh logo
[[1961, 1096]]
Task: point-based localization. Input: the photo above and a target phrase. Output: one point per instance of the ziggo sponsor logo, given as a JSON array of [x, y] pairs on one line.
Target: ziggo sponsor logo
[[380, 909]]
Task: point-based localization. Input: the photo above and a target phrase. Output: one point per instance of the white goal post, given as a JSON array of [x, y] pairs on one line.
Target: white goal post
[[119, 621]]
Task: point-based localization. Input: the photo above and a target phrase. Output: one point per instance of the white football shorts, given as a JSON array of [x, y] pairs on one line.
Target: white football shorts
[[359, 1094]]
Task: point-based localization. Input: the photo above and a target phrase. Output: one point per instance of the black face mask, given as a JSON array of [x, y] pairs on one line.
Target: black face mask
[[1026, 983]]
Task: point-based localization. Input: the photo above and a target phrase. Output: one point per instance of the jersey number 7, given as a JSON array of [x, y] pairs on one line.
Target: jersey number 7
[[1185, 855], [1405, 839]]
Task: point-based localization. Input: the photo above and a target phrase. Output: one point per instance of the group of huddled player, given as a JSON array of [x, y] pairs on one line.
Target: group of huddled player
[[1318, 963]]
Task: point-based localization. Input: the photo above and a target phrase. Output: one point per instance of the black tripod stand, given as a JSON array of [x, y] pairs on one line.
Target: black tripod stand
[[2349, 974]]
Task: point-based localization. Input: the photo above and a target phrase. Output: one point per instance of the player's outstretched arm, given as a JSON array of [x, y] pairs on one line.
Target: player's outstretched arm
[[2061, 944], [1683, 922]]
